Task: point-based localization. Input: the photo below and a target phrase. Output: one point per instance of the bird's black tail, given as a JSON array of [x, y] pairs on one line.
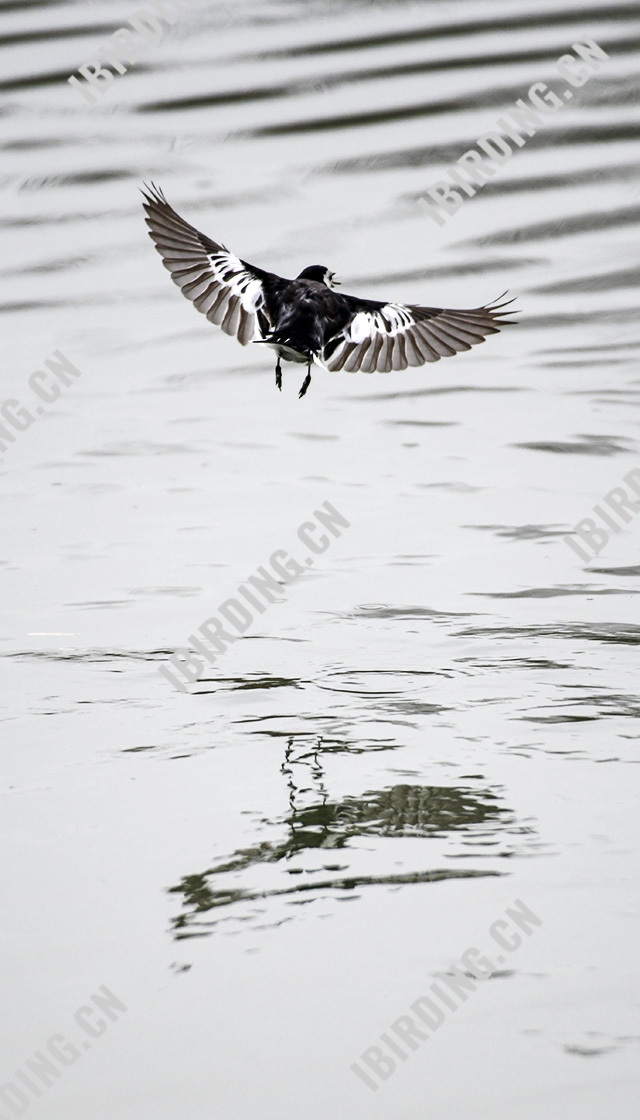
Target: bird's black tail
[[284, 338]]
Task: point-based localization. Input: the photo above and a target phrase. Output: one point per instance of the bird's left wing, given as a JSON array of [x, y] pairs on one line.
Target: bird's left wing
[[379, 337], [230, 292]]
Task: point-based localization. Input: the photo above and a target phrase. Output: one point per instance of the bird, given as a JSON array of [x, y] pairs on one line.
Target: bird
[[305, 320]]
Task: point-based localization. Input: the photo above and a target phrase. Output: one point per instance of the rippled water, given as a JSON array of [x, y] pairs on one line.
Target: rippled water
[[439, 719]]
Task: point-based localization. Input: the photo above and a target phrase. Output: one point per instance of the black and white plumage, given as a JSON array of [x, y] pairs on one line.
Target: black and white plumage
[[304, 320]]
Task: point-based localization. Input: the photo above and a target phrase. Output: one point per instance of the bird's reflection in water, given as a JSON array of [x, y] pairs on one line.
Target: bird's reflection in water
[[313, 821]]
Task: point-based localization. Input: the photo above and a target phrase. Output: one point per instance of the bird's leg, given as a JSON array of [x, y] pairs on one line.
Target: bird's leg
[[307, 381], [278, 374]]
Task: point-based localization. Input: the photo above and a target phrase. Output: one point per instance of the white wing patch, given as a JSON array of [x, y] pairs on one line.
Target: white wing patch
[[390, 320], [360, 327], [229, 270]]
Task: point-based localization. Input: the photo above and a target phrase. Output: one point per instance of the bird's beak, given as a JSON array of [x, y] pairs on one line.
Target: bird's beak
[[336, 283]]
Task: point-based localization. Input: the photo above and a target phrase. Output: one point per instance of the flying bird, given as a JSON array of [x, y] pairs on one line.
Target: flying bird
[[305, 320]]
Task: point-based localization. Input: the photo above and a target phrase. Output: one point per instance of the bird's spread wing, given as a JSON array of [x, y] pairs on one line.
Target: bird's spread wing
[[230, 292], [380, 337]]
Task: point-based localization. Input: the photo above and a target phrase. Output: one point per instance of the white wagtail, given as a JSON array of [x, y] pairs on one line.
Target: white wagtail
[[305, 320]]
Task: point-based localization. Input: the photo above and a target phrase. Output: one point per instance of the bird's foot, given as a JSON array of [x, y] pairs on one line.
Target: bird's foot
[[305, 384], [279, 376]]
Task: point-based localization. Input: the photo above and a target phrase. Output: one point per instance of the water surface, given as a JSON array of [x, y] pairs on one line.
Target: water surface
[[439, 719]]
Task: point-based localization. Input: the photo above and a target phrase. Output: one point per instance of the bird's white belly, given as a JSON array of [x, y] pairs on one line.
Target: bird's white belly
[[287, 353]]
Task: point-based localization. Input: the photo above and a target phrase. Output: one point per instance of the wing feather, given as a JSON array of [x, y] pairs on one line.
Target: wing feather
[[220, 308], [247, 327], [442, 338], [423, 347], [231, 322], [384, 336], [413, 354], [206, 300], [384, 359], [398, 358], [369, 363], [356, 357], [435, 340], [229, 291]]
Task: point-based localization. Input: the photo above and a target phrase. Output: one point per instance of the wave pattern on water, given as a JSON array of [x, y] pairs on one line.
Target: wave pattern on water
[[293, 134]]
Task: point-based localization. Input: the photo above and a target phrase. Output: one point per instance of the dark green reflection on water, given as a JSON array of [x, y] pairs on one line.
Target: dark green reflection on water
[[314, 821]]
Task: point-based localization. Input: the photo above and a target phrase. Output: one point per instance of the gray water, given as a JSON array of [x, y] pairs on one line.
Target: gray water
[[439, 718]]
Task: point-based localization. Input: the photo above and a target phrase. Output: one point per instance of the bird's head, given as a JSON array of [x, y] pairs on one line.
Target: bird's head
[[320, 273]]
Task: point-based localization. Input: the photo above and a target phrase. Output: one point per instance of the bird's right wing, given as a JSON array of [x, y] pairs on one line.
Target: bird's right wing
[[384, 336], [230, 292]]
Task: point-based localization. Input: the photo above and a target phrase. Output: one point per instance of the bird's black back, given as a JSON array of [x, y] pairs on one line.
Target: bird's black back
[[304, 313]]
